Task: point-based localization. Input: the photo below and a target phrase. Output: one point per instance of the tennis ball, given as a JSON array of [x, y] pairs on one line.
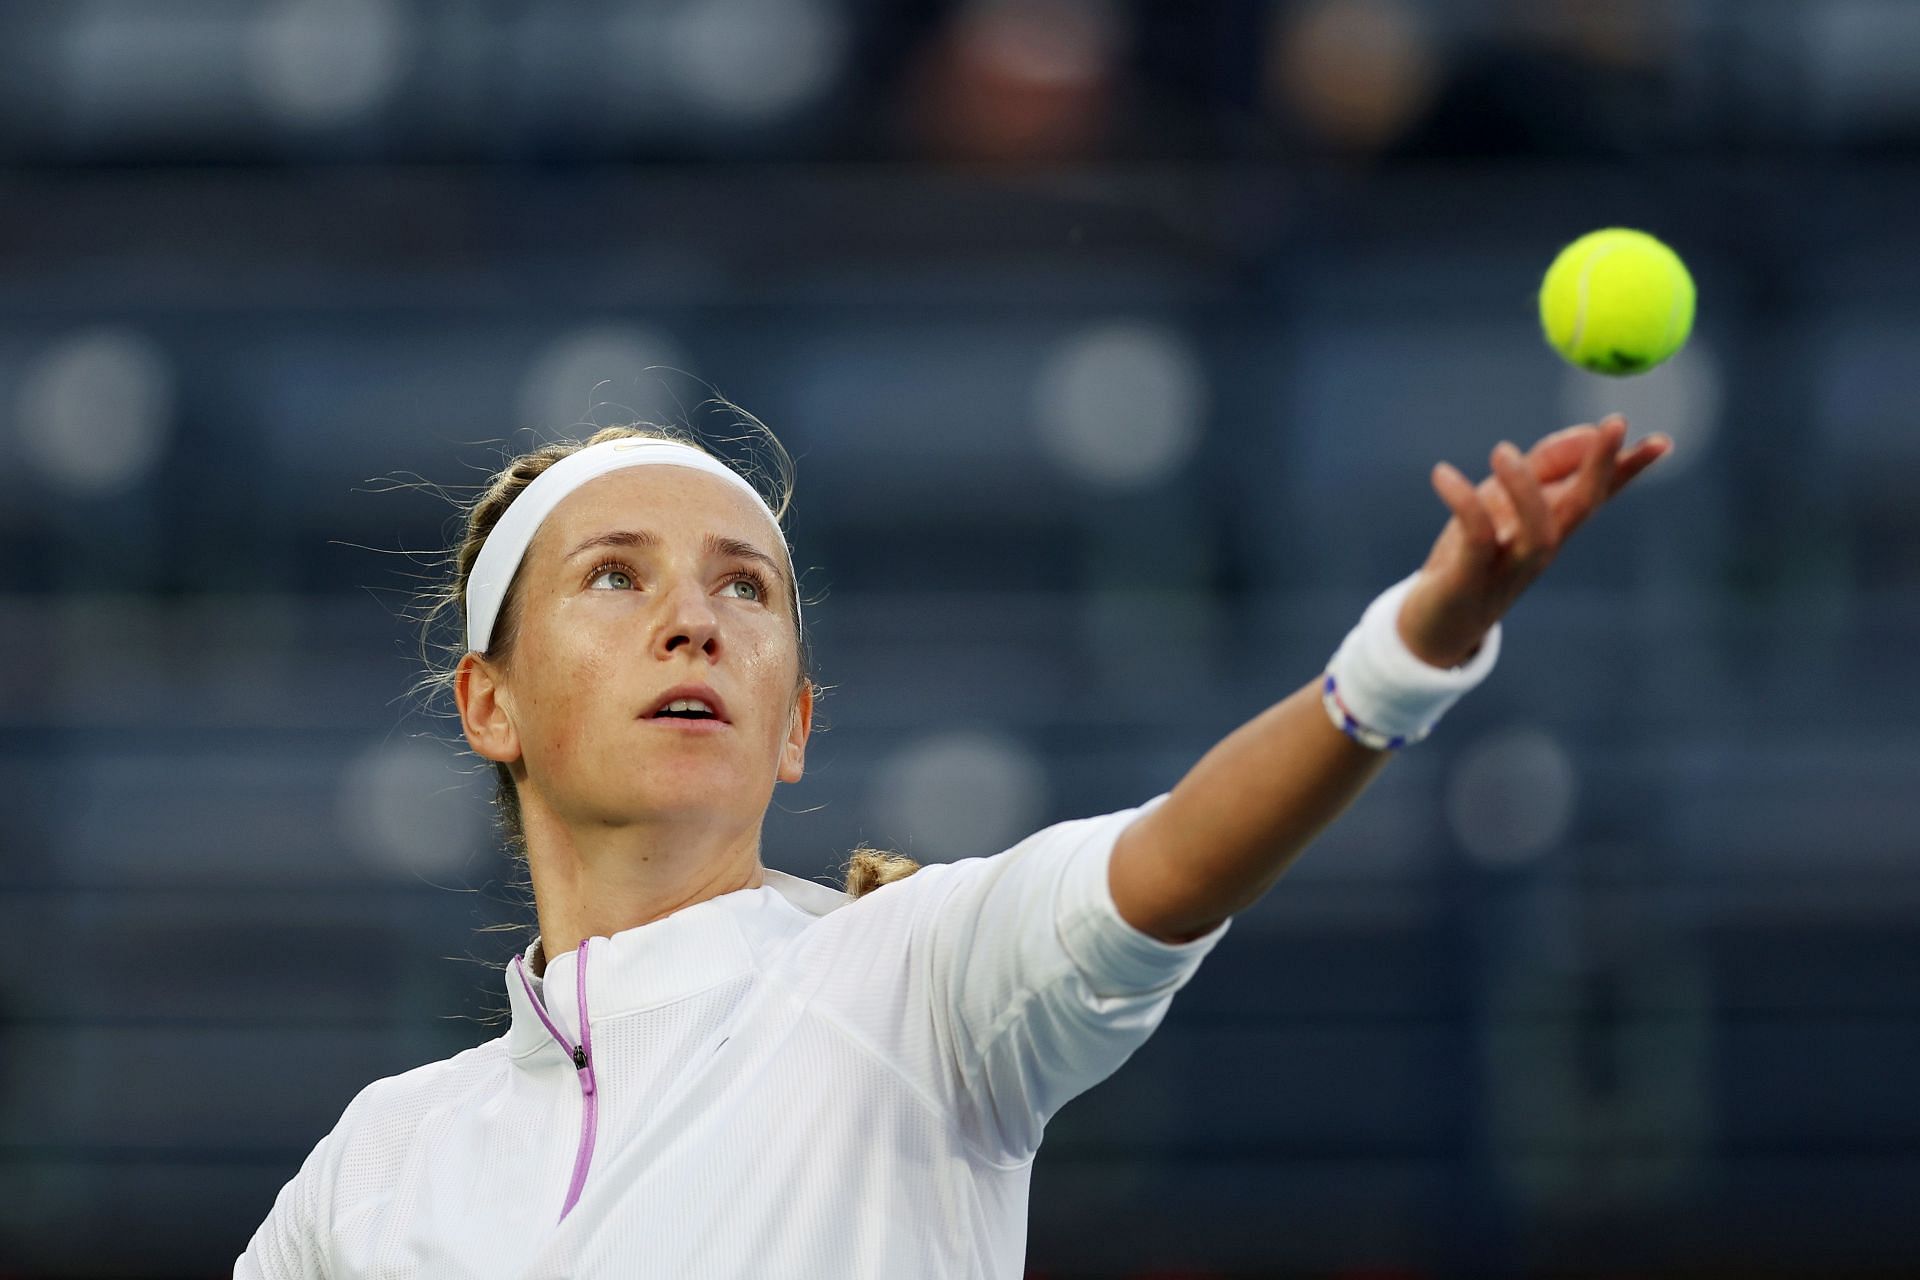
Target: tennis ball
[[1617, 301]]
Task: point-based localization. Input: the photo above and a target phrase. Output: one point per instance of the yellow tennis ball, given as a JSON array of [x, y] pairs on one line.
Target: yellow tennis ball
[[1617, 301]]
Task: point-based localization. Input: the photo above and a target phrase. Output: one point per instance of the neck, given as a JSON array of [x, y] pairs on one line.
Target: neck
[[593, 880]]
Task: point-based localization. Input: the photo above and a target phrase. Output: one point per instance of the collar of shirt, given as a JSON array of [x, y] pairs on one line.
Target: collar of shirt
[[658, 962]]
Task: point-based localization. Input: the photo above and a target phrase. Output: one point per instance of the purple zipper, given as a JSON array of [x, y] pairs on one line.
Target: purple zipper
[[582, 1055]]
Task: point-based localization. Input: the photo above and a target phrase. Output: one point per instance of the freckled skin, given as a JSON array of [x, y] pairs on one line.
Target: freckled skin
[[604, 794]]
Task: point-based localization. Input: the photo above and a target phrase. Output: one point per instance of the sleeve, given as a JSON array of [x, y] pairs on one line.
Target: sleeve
[[1046, 989], [1002, 987]]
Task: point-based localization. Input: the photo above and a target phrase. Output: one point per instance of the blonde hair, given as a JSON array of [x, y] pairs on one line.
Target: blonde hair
[[865, 870]]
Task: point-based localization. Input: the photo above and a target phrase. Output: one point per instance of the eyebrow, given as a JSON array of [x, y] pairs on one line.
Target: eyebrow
[[714, 543]]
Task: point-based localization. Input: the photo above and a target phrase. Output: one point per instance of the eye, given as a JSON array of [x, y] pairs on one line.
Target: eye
[[613, 566], [748, 576], [755, 580]]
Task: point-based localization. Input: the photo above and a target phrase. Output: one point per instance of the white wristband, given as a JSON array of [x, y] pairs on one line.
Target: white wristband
[[1379, 693]]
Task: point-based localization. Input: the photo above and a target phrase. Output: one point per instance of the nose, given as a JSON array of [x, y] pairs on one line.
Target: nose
[[688, 618]]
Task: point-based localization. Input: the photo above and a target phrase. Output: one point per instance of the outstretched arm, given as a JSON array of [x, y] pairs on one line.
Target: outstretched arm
[[1240, 817]]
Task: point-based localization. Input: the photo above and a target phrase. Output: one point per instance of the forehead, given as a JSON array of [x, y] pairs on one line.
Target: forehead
[[662, 498]]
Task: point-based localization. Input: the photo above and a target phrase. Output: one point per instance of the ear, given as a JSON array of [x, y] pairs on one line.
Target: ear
[[483, 714], [793, 752]]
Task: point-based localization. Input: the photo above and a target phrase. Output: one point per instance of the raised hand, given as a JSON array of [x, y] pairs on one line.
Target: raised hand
[[1507, 529]]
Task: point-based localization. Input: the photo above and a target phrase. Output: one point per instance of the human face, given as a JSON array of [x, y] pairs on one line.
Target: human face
[[605, 630]]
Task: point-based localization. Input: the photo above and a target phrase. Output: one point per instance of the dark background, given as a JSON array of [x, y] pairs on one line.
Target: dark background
[[1114, 344]]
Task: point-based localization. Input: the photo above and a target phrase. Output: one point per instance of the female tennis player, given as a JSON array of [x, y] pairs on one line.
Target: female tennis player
[[715, 1069]]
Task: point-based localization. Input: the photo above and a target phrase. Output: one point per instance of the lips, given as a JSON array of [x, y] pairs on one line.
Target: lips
[[689, 725], [703, 692]]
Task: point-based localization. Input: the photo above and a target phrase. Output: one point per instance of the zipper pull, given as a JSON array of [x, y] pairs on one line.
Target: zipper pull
[[585, 1068], [580, 1063]]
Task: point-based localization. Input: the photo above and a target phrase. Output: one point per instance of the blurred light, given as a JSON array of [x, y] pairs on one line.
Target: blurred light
[[1357, 72], [600, 375], [961, 794], [1864, 54], [1681, 398], [135, 68], [1510, 796], [326, 62], [1120, 406], [408, 808], [1057, 42], [754, 59], [1615, 34], [635, 67], [1021, 79], [95, 412]]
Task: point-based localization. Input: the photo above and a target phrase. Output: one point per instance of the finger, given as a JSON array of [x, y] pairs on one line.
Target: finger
[[1577, 500], [1536, 532], [1459, 494], [1552, 458], [1493, 498], [1557, 455], [1637, 459]]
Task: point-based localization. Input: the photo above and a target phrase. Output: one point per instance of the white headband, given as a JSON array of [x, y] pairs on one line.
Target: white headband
[[506, 545]]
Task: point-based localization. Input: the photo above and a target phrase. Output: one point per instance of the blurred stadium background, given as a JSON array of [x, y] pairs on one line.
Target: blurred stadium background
[[1114, 344]]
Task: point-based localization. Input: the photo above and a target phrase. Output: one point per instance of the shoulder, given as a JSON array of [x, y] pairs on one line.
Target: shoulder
[[394, 1104], [1039, 854], [357, 1155], [901, 915], [964, 904]]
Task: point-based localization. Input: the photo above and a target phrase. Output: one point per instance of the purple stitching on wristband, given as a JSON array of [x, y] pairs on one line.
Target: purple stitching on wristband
[[1352, 727]]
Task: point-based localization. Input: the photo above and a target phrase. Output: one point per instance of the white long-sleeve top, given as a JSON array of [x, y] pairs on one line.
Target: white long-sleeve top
[[775, 1082]]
